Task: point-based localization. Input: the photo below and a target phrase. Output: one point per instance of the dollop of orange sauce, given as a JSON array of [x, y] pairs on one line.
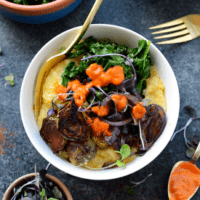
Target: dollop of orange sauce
[[139, 111], [184, 181], [99, 127], [59, 89], [102, 111], [114, 75], [120, 101]]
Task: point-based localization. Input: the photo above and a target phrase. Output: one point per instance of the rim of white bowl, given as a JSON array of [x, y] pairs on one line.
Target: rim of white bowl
[[102, 174]]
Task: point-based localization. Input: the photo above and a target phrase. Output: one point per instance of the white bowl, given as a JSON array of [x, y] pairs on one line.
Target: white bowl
[[121, 36]]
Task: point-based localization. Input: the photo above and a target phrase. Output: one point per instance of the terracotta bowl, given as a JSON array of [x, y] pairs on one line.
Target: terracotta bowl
[[37, 14], [22, 180]]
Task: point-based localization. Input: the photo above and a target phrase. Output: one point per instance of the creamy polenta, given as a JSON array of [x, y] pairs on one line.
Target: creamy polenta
[[155, 92]]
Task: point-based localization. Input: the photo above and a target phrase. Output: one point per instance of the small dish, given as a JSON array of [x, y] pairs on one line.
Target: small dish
[[38, 14], [23, 179]]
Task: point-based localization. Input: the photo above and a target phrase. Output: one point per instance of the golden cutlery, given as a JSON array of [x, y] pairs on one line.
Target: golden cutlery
[[187, 27], [52, 61]]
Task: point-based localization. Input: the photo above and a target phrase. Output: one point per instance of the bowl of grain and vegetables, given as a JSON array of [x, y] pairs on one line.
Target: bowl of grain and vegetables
[[37, 11], [107, 110]]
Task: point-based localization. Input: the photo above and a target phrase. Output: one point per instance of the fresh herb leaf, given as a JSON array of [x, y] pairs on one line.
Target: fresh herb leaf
[[90, 46], [30, 2], [62, 49], [125, 151], [119, 163], [141, 85], [10, 79], [18, 1], [142, 63], [129, 190], [25, 2], [52, 199], [57, 193], [42, 194]]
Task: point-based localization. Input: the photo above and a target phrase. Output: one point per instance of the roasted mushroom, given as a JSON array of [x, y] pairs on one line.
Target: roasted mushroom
[[100, 142], [152, 125], [72, 124], [81, 152], [52, 135], [154, 122]]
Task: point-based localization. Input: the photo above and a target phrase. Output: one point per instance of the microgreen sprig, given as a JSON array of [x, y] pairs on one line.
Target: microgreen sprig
[[10, 79], [125, 151], [129, 189], [62, 49]]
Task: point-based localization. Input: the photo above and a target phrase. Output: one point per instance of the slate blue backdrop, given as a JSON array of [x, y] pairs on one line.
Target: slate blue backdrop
[[20, 42]]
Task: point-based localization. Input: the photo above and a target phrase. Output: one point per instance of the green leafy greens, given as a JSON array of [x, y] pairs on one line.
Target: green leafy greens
[[91, 46], [30, 2]]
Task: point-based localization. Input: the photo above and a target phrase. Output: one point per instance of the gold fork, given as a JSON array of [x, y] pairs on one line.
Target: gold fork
[[188, 27]]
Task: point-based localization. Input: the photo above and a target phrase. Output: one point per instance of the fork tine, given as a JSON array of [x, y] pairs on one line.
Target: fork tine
[[171, 29], [167, 24], [179, 33], [177, 40]]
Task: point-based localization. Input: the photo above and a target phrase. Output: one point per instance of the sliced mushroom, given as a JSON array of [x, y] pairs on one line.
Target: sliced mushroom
[[154, 122], [52, 135], [72, 124], [80, 153]]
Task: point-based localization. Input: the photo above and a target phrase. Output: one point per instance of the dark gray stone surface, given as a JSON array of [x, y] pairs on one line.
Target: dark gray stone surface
[[20, 42]]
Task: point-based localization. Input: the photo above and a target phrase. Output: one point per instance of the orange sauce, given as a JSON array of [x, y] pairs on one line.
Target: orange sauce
[[102, 111], [184, 181], [120, 101], [59, 90], [99, 127], [114, 75], [139, 111]]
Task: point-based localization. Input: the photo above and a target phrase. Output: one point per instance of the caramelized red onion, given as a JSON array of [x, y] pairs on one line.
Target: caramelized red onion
[[115, 132]]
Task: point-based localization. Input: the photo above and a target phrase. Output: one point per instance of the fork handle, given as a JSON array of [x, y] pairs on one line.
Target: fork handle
[[196, 155]]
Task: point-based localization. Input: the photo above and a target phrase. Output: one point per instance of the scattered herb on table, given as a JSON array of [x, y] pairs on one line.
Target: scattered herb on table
[[139, 56], [2, 64], [30, 2], [10, 79], [190, 145], [62, 49], [129, 189]]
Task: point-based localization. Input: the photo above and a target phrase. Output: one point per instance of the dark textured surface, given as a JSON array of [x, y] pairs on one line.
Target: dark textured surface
[[20, 42]]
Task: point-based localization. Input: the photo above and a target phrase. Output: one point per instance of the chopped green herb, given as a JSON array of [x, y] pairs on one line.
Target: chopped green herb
[[90, 46], [129, 190], [10, 79], [62, 49], [42, 194], [125, 152]]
